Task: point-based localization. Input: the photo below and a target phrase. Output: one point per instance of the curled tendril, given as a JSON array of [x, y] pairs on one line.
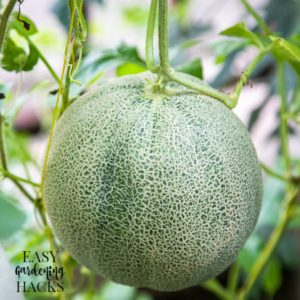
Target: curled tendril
[[26, 25]]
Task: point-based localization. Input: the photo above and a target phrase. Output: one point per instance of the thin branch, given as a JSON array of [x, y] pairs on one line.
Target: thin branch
[[273, 173], [233, 277], [289, 201], [76, 51], [66, 89], [22, 189], [43, 59], [15, 177], [4, 20], [283, 118], [235, 95], [4, 164], [56, 108], [150, 37], [2, 150], [267, 251], [216, 288], [261, 22]]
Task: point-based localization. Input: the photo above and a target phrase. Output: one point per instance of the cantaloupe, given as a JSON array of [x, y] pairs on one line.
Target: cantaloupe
[[152, 190]]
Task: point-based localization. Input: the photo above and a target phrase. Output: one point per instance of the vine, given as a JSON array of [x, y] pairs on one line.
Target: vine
[[158, 16], [63, 90], [4, 20]]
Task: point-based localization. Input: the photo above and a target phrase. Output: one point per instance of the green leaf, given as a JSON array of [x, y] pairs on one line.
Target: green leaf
[[188, 44], [250, 252], [32, 59], [129, 54], [241, 31], [272, 200], [21, 24], [285, 50], [14, 57], [193, 67], [12, 218], [179, 49], [130, 68], [115, 291], [96, 62], [272, 276], [295, 39], [136, 15], [223, 49]]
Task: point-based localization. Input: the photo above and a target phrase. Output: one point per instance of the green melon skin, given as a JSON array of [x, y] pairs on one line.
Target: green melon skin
[[152, 190]]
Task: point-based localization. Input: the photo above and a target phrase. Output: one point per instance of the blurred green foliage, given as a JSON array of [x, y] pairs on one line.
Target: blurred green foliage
[[12, 217]]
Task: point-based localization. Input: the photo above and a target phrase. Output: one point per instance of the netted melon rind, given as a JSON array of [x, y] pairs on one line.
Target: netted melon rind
[[149, 191]]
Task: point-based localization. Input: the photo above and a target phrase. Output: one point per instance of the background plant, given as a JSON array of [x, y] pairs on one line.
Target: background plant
[[258, 271]]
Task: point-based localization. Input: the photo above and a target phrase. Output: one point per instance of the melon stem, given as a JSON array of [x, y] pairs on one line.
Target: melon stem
[[164, 71], [150, 61]]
